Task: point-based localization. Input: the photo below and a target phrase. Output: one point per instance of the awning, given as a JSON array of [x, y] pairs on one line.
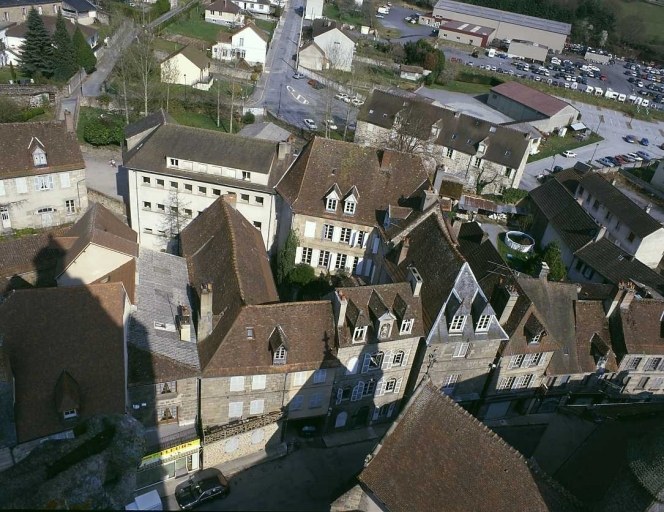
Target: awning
[[578, 127]]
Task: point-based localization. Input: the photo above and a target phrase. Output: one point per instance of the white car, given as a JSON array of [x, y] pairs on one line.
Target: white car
[[569, 154], [309, 123], [358, 102], [341, 96], [635, 157], [331, 124]]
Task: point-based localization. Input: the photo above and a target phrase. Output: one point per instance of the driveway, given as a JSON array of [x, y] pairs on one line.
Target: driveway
[[408, 31]]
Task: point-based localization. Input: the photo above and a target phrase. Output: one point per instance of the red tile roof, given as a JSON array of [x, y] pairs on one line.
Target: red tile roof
[[531, 98]]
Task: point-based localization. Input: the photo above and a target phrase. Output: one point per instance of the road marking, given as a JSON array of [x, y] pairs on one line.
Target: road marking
[[297, 96]]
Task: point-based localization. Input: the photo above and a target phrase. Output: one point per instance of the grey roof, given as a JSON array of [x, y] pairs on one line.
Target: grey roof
[[195, 56], [623, 208], [145, 123], [162, 286], [504, 16], [265, 131], [80, 5], [574, 226], [615, 265], [461, 132]]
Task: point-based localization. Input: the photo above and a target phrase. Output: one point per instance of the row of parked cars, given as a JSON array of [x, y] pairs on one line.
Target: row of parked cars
[[629, 158]]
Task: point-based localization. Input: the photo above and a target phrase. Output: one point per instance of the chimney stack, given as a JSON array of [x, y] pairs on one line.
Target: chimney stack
[[648, 207], [69, 121], [205, 320], [613, 182], [506, 299], [340, 307], [283, 150], [415, 280], [544, 271], [231, 199], [429, 198], [600, 233], [438, 177], [184, 323], [627, 298], [403, 252]]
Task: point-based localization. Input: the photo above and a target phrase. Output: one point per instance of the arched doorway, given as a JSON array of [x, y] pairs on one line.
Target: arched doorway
[[340, 421]]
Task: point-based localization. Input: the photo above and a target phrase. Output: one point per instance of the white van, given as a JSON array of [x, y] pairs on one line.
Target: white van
[[383, 10], [490, 52], [645, 103], [555, 60], [590, 89], [599, 92], [622, 98]]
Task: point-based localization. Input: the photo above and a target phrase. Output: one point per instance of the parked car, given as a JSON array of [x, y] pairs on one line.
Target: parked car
[[309, 123], [646, 156], [631, 139], [557, 168], [628, 158], [298, 76], [315, 84], [331, 124], [613, 160], [341, 96], [569, 154], [635, 156], [644, 142], [358, 102], [201, 487]]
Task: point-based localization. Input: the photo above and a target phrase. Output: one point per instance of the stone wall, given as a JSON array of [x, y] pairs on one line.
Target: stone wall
[[241, 445], [115, 205]]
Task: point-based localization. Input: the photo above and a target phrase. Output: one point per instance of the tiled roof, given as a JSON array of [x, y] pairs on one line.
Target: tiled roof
[[223, 6], [259, 32], [28, 253], [382, 177], [569, 178], [615, 265], [637, 329], [77, 329], [19, 139], [531, 98], [623, 208], [593, 339], [396, 296], [49, 22], [195, 56], [461, 132], [80, 5], [145, 123], [125, 274], [574, 226], [437, 456]]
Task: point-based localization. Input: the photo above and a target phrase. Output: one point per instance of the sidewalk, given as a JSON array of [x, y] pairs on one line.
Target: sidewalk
[[355, 436]]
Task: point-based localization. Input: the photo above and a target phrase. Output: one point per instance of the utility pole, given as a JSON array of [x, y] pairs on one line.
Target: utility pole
[[218, 94], [232, 101], [299, 42]]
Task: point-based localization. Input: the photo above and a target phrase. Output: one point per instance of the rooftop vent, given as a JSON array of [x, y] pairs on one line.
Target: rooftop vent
[[492, 129]]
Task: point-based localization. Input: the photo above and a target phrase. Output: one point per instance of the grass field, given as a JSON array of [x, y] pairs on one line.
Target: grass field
[[266, 25], [555, 145], [352, 18], [195, 28], [652, 16], [464, 87], [166, 46]]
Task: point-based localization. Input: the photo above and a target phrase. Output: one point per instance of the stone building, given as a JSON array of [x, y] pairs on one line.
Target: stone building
[[17, 11]]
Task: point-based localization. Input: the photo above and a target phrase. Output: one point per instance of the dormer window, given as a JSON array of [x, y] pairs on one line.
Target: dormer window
[[407, 326], [535, 338], [70, 414], [359, 334], [39, 157], [457, 323], [385, 330], [279, 356], [331, 204], [483, 323], [173, 162], [349, 206]]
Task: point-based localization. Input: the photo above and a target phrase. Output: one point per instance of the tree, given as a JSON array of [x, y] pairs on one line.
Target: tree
[[286, 258], [9, 110], [553, 257], [301, 275], [141, 64], [175, 220], [85, 57], [37, 49], [12, 71], [64, 56]]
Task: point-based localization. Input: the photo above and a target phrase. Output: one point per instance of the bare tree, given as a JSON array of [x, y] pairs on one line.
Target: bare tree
[[169, 74], [177, 215], [142, 64]]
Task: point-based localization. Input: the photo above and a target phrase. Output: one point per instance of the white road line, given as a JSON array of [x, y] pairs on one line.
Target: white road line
[[297, 96]]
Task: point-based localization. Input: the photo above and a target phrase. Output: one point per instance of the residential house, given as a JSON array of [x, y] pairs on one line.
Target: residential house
[[313, 9], [337, 47], [175, 172], [248, 43], [16, 11], [255, 6], [224, 12], [488, 157], [187, 66], [413, 73], [627, 225], [336, 195], [262, 362], [42, 176], [522, 103], [60, 379], [81, 11], [15, 36], [378, 329], [475, 468]]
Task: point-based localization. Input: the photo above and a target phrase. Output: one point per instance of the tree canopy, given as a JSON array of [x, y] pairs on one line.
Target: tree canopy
[[85, 57], [64, 57], [37, 49]]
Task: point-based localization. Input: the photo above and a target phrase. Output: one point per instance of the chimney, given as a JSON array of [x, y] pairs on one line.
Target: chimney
[[600, 233], [429, 198], [403, 252], [507, 295], [613, 182], [648, 207], [69, 121], [231, 199], [340, 305], [457, 115], [438, 177], [627, 298], [205, 320], [544, 271], [284, 149], [415, 280], [184, 323]]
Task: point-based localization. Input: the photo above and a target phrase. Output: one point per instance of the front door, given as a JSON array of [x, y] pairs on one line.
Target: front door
[[47, 219], [4, 216]]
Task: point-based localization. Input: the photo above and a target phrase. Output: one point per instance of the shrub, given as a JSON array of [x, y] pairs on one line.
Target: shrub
[[301, 275], [103, 131], [248, 118]]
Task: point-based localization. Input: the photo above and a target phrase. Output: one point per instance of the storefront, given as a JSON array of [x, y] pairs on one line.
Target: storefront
[[169, 463]]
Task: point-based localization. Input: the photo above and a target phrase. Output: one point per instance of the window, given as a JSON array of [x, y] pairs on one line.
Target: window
[[376, 360], [349, 207], [351, 366], [250, 333], [631, 237], [506, 383], [328, 231], [516, 361], [324, 259], [361, 238], [70, 207], [160, 183], [147, 230], [259, 200], [246, 176], [461, 350], [299, 378], [146, 180], [320, 376], [166, 387], [21, 185], [258, 382], [161, 207], [399, 358], [71, 413], [174, 209], [147, 205], [257, 406], [237, 384], [508, 172], [280, 355], [202, 190], [596, 204], [478, 162], [656, 383], [357, 392], [483, 323], [307, 253], [370, 387], [39, 157], [44, 182], [241, 39], [257, 225], [235, 409], [64, 180], [449, 383], [390, 385], [532, 360], [174, 162], [457, 323], [642, 383], [315, 401], [652, 364], [535, 338], [359, 334], [331, 204], [296, 403], [188, 212], [407, 326], [617, 225], [345, 235], [340, 261], [216, 191], [608, 216], [356, 261], [522, 381], [244, 198], [449, 153]]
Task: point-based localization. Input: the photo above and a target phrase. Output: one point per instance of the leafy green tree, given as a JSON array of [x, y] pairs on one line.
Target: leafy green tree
[[286, 258], [64, 57], [513, 195], [9, 110], [12, 71], [85, 57], [301, 275], [37, 49], [554, 259]]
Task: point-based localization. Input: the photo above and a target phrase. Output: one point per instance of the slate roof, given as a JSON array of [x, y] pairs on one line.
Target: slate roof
[[80, 5], [158, 354], [49, 23], [623, 208], [570, 178], [195, 56], [615, 265], [574, 226], [382, 177], [259, 32], [145, 123], [395, 296], [531, 98], [593, 338], [321, 26], [78, 329], [461, 132], [63, 152], [265, 131], [223, 6], [437, 453], [21, 3]]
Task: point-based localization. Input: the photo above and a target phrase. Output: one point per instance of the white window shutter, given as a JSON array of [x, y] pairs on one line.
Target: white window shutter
[[21, 185], [367, 267], [390, 409], [375, 413], [358, 390], [298, 255], [340, 395], [64, 180], [333, 259], [358, 269], [309, 229], [405, 358], [365, 363], [397, 388], [380, 388], [315, 254], [336, 234], [387, 360], [353, 237], [365, 241], [2, 188]]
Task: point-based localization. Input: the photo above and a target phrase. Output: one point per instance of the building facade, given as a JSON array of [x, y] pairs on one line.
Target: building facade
[[17, 12], [224, 12], [248, 43]]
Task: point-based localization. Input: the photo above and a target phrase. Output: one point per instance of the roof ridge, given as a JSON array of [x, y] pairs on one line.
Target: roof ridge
[[284, 304], [234, 262]]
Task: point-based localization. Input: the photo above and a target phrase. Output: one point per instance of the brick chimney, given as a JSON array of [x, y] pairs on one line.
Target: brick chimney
[[184, 323], [429, 198], [403, 252], [340, 304], [205, 319], [69, 121], [600, 233], [231, 199], [648, 207], [506, 298], [415, 280]]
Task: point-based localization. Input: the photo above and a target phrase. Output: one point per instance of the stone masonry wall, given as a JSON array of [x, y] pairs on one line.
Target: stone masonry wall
[[241, 445]]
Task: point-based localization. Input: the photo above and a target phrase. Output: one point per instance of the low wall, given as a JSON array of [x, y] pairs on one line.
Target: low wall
[[241, 445], [115, 205]]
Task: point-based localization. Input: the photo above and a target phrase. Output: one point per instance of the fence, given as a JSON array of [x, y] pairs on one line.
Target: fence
[[212, 434]]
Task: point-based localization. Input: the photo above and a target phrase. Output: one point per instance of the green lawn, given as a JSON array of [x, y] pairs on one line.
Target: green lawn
[[333, 12], [652, 15], [464, 87], [555, 145], [166, 46], [6, 76], [195, 28], [267, 26]]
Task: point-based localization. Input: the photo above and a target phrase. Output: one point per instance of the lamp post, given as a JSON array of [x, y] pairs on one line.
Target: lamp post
[[553, 162], [594, 151], [185, 89]]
